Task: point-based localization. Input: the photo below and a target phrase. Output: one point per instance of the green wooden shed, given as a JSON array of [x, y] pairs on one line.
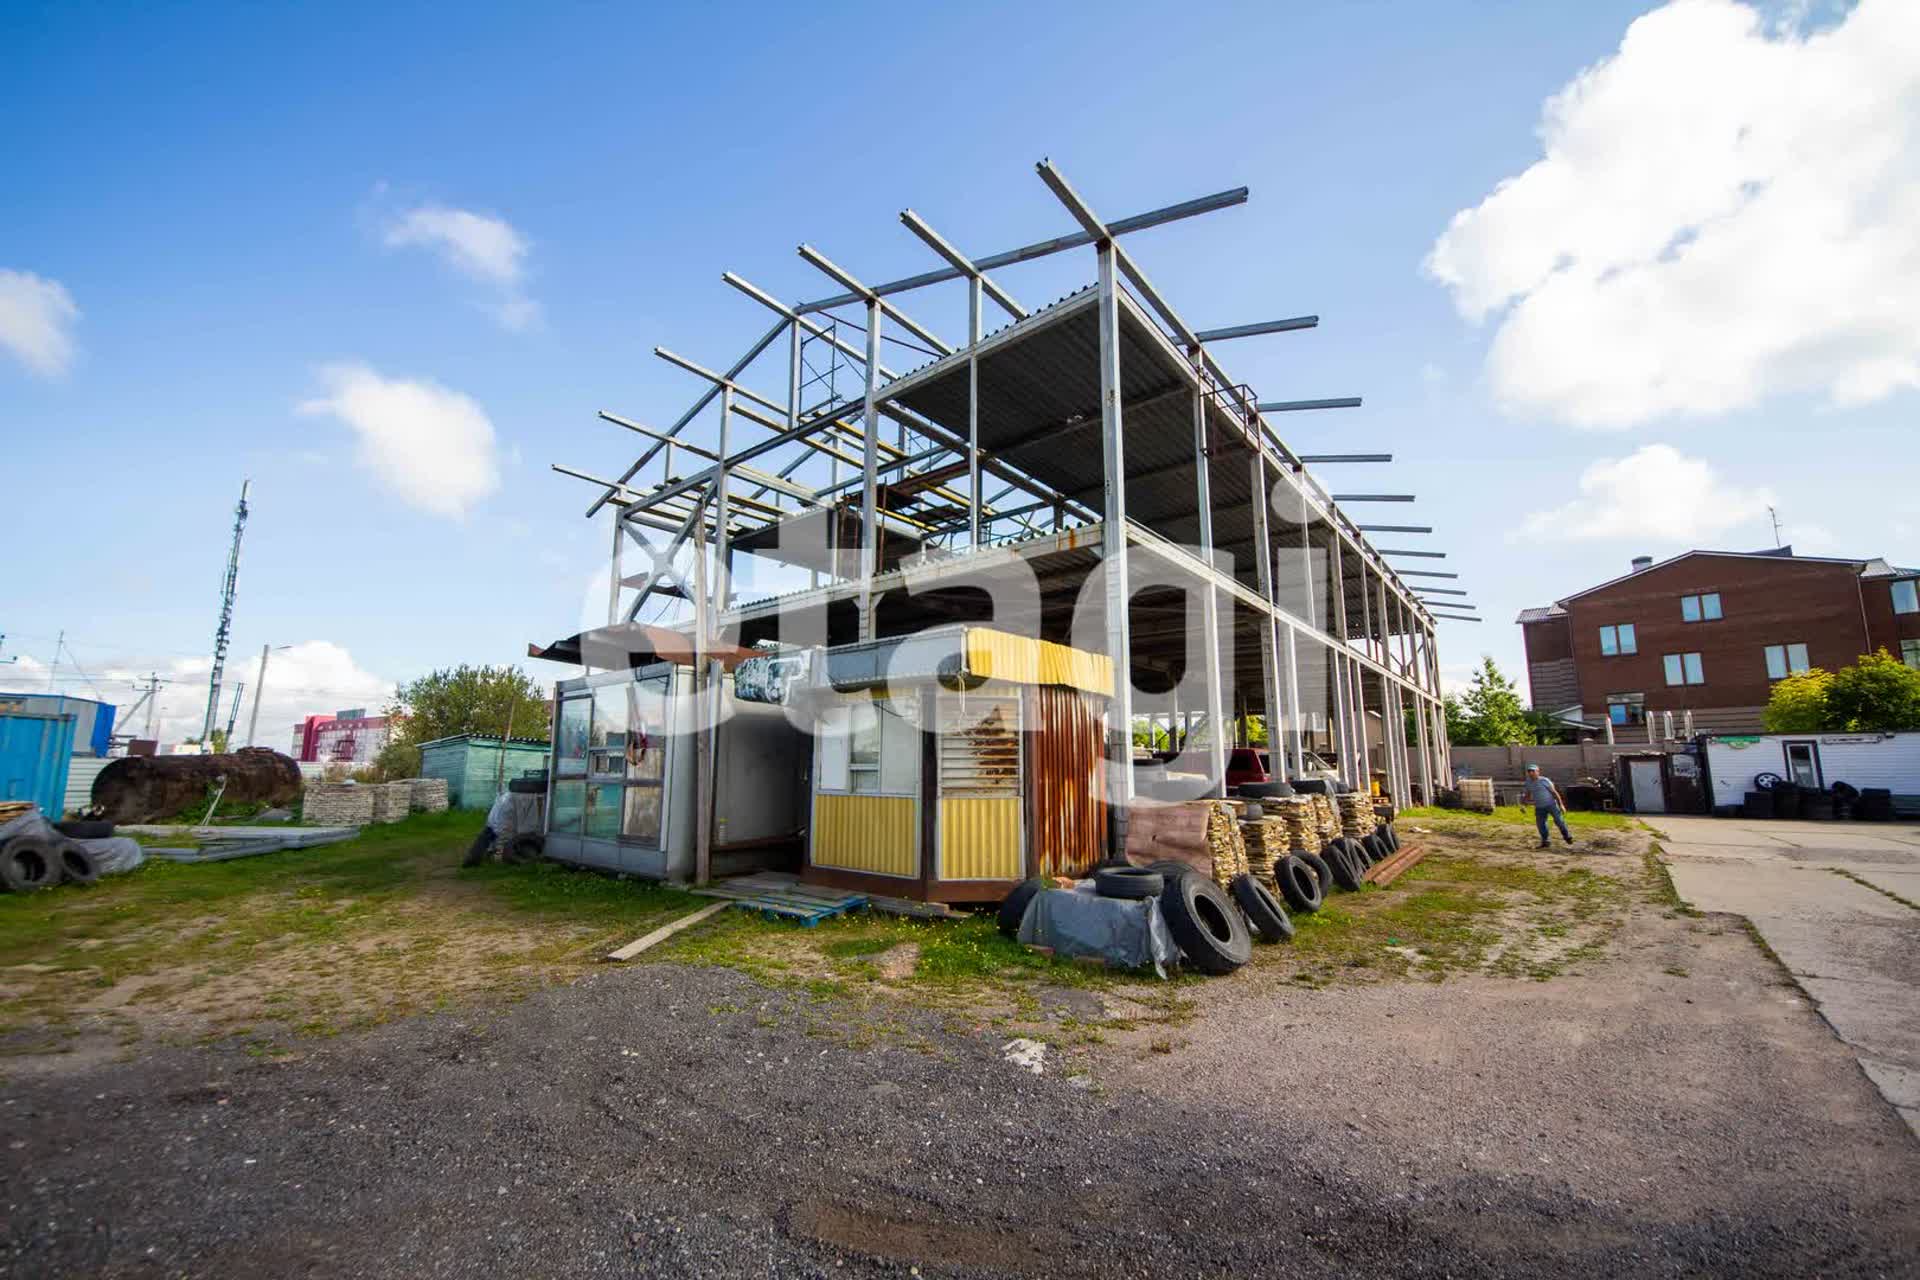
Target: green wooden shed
[[475, 765]]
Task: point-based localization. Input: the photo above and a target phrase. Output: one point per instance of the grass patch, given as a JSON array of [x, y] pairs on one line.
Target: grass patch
[[1885, 893], [1513, 815]]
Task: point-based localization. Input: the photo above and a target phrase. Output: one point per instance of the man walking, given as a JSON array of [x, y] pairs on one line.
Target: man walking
[[1547, 802]]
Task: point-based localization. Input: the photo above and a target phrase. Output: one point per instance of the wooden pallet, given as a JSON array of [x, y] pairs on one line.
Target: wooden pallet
[[783, 897]]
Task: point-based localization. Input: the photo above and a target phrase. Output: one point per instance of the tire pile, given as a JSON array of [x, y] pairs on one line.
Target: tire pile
[[1775, 797], [1216, 925], [36, 854]]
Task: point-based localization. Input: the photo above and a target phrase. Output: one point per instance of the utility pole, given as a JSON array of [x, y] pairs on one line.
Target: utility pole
[[153, 704], [53, 668], [1775, 517], [259, 688]]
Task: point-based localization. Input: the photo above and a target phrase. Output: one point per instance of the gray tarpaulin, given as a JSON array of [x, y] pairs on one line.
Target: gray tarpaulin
[[1126, 933], [111, 854]]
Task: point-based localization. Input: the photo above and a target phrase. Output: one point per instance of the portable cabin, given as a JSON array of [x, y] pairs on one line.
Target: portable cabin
[[475, 765], [953, 763], [623, 775]]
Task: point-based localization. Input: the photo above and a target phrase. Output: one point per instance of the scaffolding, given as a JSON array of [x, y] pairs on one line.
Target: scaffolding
[[1095, 447]]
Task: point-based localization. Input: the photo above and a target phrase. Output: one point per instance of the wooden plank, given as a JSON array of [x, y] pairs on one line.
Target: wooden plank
[[666, 931], [1399, 863]]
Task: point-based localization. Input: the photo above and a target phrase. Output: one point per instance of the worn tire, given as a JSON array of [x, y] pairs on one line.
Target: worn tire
[[1128, 882], [1393, 838], [1013, 908], [84, 828], [1209, 929], [1298, 884], [1346, 869], [1377, 847], [1171, 869], [1321, 868], [528, 848], [28, 863], [1265, 790], [1263, 910], [78, 865], [527, 786]]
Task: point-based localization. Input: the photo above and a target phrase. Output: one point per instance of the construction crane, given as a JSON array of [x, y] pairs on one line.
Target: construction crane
[[220, 633], [233, 713]]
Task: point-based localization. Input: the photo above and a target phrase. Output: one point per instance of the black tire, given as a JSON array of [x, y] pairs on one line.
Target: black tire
[[1393, 838], [527, 848], [1346, 869], [1265, 790], [84, 828], [1377, 849], [1311, 787], [1345, 846], [1321, 868], [1171, 869], [1298, 884], [28, 863], [78, 865], [527, 786], [1766, 781], [477, 851], [1263, 910], [1209, 929], [1128, 882], [1013, 908]]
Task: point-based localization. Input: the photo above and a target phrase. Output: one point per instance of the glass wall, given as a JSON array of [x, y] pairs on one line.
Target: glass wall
[[610, 762]]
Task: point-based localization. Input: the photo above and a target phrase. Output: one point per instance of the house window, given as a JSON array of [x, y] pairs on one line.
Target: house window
[[1627, 708], [1910, 652], [1784, 660], [1618, 639], [1684, 668], [1704, 608], [866, 748], [1906, 597]]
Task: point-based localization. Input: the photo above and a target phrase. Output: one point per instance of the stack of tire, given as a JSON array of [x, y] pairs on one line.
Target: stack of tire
[[50, 855]]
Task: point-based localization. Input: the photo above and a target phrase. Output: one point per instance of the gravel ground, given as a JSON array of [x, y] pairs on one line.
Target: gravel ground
[[675, 1121]]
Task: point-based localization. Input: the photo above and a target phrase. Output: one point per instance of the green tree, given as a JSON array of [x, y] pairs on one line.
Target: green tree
[[462, 699], [1798, 704], [1489, 713], [1877, 693]]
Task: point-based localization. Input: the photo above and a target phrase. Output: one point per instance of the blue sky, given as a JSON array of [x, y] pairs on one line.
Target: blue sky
[[215, 190]]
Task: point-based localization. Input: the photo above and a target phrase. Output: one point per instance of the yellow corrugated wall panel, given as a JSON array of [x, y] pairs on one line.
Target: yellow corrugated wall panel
[[875, 834], [980, 838], [1000, 655]]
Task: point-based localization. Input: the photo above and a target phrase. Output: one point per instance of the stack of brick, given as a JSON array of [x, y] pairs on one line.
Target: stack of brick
[[1324, 817], [1302, 826], [428, 795], [338, 804], [391, 800], [1267, 841], [1224, 841], [1356, 814]]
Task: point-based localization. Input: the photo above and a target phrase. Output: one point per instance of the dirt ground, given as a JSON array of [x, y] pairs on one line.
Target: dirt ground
[[1508, 1063]]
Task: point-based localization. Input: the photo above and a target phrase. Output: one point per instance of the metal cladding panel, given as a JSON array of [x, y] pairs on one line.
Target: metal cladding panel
[[980, 838], [874, 834], [35, 751], [998, 655], [1067, 780]]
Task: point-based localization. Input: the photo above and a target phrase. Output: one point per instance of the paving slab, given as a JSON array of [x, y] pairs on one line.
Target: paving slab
[[1827, 901]]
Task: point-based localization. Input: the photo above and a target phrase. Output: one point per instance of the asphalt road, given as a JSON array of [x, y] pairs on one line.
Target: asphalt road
[[665, 1121], [1835, 901]]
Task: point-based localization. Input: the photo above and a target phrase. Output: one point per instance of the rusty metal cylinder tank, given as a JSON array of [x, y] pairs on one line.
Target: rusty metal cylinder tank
[[148, 788]]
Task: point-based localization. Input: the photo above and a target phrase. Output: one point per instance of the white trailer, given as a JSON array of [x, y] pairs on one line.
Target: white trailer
[[1816, 760]]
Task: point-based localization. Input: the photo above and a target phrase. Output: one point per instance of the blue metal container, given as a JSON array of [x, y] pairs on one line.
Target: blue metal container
[[35, 751]]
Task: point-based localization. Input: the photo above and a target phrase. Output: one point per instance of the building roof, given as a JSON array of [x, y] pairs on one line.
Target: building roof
[[1874, 568]]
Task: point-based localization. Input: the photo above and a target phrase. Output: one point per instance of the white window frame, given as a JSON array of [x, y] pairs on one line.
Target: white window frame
[[1618, 640], [1907, 601], [1689, 667], [1785, 660]]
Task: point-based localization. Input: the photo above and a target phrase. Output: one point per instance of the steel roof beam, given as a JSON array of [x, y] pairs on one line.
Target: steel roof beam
[[938, 243], [717, 379], [1424, 573], [1295, 406], [1394, 528], [1258, 328], [1439, 591], [1372, 497], [1424, 555], [827, 265], [818, 330], [1316, 458]]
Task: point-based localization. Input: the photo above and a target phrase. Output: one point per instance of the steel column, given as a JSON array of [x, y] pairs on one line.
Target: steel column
[[1113, 538], [869, 479], [1210, 603]]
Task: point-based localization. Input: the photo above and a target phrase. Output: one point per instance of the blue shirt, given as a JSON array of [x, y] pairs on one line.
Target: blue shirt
[[1539, 792]]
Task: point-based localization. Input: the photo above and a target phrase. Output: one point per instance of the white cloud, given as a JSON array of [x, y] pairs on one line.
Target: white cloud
[[429, 445], [1655, 494], [1725, 211], [312, 677], [36, 322], [481, 247]]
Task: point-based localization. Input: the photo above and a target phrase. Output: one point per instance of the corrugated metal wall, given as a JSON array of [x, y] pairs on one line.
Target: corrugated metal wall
[[979, 777], [980, 838], [1067, 776], [875, 834]]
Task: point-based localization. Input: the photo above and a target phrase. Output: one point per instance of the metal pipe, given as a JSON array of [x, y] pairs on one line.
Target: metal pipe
[[1312, 458], [1260, 327], [1373, 497], [1424, 573], [1294, 406], [1424, 555], [1394, 528]]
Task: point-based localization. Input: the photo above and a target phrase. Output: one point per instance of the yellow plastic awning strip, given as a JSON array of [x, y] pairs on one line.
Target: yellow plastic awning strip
[[1000, 655]]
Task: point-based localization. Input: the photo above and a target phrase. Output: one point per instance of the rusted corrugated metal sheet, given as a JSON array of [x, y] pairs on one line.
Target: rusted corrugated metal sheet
[[875, 834], [1067, 776]]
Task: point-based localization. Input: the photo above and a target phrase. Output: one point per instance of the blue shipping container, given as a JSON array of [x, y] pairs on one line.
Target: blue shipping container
[[34, 754]]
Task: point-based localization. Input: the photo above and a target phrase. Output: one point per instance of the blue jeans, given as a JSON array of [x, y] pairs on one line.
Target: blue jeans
[[1540, 815]]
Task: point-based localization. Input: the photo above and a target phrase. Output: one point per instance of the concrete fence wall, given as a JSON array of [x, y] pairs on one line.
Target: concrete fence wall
[[1561, 763]]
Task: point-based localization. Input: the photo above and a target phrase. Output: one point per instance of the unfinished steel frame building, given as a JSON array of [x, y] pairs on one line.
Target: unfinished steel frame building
[[1098, 443]]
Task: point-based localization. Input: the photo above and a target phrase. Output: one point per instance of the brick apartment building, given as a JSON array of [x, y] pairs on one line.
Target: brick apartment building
[[1710, 632]]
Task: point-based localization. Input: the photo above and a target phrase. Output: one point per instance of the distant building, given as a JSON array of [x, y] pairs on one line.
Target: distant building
[[345, 737], [1710, 632]]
